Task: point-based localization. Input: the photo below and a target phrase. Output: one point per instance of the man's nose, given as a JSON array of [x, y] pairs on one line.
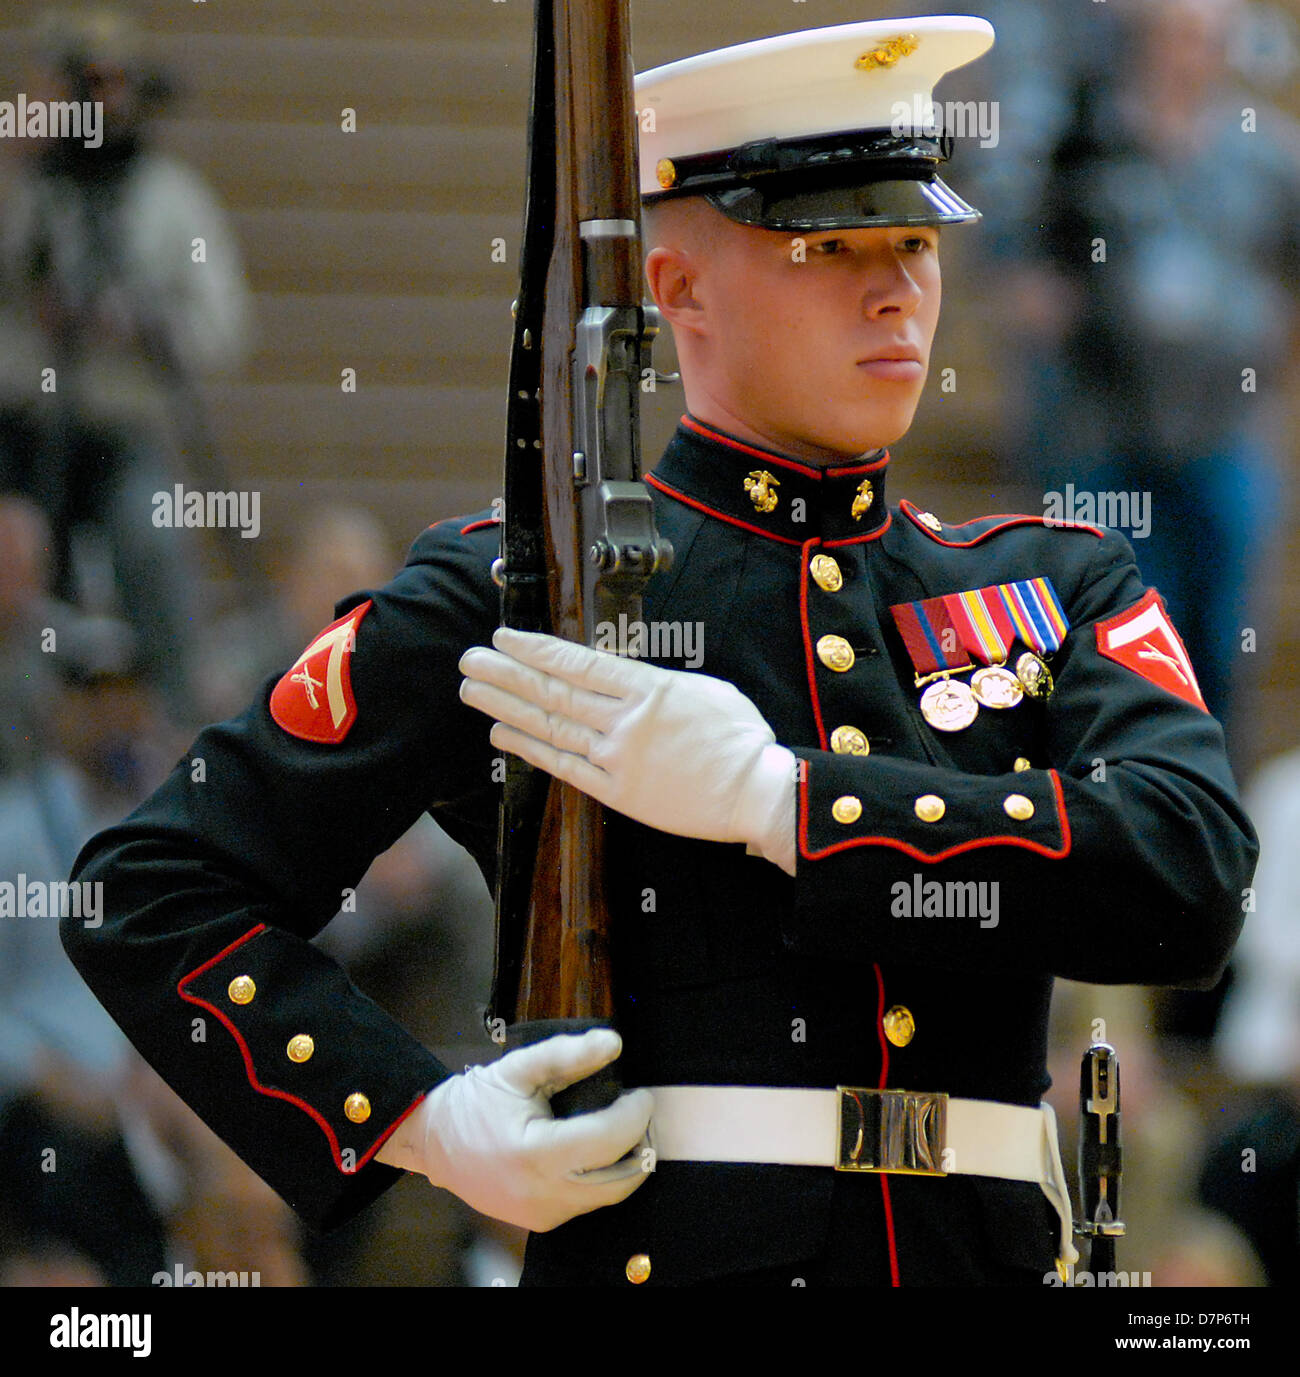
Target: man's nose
[[889, 288]]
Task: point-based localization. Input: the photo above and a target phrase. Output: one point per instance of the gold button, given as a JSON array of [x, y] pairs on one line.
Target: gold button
[[241, 989], [665, 173], [900, 1026], [835, 653], [929, 519], [846, 809], [1022, 765], [930, 808], [638, 1268], [300, 1048], [357, 1107], [849, 741], [1018, 807], [862, 500], [826, 574]]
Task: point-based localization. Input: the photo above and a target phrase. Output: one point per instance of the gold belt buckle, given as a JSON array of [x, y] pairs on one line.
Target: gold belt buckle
[[903, 1131]]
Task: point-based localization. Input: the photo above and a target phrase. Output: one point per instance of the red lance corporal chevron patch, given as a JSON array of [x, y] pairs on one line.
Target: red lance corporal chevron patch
[[1143, 639], [314, 699]]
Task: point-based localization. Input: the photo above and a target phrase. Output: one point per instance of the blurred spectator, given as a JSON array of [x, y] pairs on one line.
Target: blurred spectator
[[26, 615], [1157, 366], [118, 272], [63, 1062], [102, 1169]]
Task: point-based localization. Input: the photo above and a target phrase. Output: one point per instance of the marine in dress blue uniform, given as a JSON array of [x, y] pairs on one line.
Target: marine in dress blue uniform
[[1104, 812]]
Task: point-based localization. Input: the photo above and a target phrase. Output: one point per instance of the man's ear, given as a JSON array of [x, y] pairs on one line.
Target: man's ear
[[673, 275]]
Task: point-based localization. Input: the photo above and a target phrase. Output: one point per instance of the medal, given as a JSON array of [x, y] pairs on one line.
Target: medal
[[996, 687], [950, 634], [1034, 675], [949, 705]]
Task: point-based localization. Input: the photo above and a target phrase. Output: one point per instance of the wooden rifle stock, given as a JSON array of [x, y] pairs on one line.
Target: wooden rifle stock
[[578, 521]]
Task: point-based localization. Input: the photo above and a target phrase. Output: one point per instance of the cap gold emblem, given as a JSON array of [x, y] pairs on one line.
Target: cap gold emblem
[[241, 989], [357, 1107], [1019, 807], [836, 653], [759, 485], [889, 52], [666, 173], [900, 1026], [863, 499], [1022, 764], [301, 1047], [930, 808]]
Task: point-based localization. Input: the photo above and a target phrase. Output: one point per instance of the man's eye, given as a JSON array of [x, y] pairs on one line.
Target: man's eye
[[918, 243], [829, 246]]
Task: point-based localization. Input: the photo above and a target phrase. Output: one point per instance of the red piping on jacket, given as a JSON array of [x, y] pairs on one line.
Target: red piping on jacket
[[884, 1082], [1009, 519], [709, 511]]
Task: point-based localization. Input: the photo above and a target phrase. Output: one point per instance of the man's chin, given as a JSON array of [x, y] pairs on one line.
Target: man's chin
[[849, 445]]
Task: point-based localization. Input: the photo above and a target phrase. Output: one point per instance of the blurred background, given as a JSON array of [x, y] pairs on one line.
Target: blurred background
[[1123, 319]]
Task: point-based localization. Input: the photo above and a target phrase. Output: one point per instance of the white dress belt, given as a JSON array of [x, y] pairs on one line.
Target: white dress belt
[[800, 1127]]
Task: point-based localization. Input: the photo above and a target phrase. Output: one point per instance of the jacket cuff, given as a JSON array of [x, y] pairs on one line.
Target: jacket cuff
[[847, 802], [344, 1073]]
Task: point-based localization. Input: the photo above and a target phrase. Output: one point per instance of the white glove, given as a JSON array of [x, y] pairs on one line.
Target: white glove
[[488, 1136], [684, 753]]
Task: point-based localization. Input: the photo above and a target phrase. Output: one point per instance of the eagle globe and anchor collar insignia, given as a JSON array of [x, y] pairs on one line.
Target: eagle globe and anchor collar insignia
[[947, 635]]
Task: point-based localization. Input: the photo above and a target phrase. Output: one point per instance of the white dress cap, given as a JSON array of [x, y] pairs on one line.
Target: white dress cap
[[784, 95]]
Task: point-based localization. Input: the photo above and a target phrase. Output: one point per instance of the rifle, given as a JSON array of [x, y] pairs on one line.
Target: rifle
[[578, 538]]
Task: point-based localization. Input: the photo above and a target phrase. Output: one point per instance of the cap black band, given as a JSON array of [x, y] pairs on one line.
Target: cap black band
[[819, 152], [827, 181]]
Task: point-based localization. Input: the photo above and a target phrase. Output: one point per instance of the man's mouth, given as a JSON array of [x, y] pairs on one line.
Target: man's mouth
[[894, 366]]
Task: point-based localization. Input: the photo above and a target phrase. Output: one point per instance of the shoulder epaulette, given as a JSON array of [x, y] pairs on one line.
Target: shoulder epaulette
[[964, 534]]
